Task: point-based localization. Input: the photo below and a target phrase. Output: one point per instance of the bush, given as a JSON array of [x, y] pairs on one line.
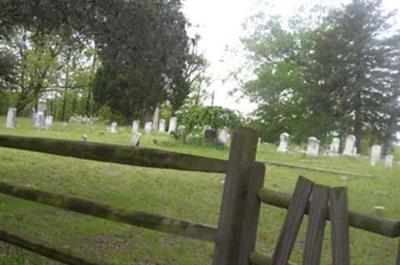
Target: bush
[[197, 117]]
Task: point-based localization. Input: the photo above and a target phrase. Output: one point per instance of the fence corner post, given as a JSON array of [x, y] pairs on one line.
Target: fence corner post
[[238, 219]]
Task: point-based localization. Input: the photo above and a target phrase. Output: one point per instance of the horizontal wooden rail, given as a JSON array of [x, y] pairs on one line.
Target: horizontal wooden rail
[[137, 218], [120, 154], [378, 225], [318, 169], [40, 248]]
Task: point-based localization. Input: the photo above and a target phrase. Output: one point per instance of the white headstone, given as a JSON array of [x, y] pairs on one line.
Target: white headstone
[[39, 120], [42, 105], [11, 118], [161, 125], [156, 118], [350, 146], [148, 126], [389, 161], [334, 146], [135, 141], [312, 146], [48, 122], [173, 122], [224, 136], [283, 143], [135, 126], [114, 127], [375, 154]]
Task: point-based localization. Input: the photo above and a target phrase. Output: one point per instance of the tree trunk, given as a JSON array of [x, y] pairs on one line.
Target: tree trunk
[[66, 84], [358, 123]]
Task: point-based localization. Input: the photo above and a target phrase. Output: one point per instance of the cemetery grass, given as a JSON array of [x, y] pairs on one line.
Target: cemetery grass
[[180, 194]]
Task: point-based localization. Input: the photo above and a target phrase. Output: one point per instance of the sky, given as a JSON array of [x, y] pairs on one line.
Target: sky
[[219, 23]]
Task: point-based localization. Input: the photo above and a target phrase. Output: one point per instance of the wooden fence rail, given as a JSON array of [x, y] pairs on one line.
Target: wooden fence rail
[[374, 224], [51, 252], [137, 218], [235, 235], [119, 154]]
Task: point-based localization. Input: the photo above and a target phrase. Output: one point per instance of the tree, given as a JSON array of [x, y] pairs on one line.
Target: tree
[[142, 45], [340, 76], [358, 59]]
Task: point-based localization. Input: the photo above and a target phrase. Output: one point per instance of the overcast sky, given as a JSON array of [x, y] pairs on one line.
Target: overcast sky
[[219, 23]]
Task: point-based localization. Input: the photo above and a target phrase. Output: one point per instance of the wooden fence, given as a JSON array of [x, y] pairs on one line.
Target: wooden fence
[[235, 235]]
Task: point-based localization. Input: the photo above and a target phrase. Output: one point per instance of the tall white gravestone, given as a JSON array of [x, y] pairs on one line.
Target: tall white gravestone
[[334, 146], [39, 120], [389, 161], [376, 151], [48, 122], [173, 122], [156, 118], [283, 143], [135, 141], [312, 146], [40, 114], [135, 126], [224, 136], [148, 126], [114, 127], [11, 118], [350, 146], [161, 125]]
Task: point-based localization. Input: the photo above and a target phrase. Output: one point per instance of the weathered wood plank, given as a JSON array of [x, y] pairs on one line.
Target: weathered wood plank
[[120, 154], [237, 226], [137, 218], [339, 226], [398, 255], [367, 222], [293, 219], [316, 226], [40, 248]]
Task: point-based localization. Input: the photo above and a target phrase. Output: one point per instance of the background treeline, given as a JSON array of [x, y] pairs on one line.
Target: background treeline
[[332, 72], [118, 58]]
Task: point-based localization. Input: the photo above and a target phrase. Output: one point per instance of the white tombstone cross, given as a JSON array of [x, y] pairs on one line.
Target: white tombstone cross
[[334, 146], [161, 125], [135, 141], [283, 143], [11, 118], [224, 136], [375, 154], [135, 126], [172, 124], [389, 160], [350, 146], [148, 126], [156, 118], [312, 146], [48, 122], [113, 128]]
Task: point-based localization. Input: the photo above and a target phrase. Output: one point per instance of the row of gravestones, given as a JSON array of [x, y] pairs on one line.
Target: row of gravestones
[[40, 120], [349, 150]]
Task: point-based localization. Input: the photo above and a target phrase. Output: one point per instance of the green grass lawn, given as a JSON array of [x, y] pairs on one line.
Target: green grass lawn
[[180, 194]]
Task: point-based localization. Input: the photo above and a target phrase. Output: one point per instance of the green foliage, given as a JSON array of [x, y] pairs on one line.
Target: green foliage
[[146, 56], [340, 76], [197, 117]]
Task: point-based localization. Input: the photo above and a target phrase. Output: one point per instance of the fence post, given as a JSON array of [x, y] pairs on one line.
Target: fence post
[[237, 225]]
